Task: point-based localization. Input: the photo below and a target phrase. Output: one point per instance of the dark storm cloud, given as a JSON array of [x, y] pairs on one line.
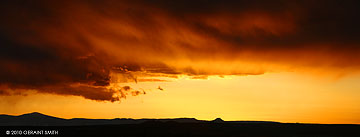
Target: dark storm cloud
[[50, 46], [37, 66], [330, 21]]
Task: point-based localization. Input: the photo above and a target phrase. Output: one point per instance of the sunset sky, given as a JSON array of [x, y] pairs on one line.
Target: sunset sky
[[286, 61]]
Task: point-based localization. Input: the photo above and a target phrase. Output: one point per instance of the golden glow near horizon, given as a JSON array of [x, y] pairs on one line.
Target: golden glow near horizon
[[286, 61], [284, 97]]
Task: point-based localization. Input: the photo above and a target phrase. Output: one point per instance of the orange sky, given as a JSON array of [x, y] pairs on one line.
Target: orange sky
[[280, 61], [284, 97]]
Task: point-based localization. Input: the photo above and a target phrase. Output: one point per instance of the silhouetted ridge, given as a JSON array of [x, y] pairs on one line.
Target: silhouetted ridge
[[38, 119], [35, 115]]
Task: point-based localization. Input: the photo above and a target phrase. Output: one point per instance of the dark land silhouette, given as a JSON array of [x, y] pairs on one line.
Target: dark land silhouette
[[178, 127]]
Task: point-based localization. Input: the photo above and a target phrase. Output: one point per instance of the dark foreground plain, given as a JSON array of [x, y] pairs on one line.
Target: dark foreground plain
[[36, 124]]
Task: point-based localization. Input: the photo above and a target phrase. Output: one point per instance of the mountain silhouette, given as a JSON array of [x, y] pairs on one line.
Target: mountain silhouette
[[30, 119], [177, 127], [38, 119]]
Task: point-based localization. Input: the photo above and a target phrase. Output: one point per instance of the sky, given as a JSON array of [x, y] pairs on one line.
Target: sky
[[286, 61]]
